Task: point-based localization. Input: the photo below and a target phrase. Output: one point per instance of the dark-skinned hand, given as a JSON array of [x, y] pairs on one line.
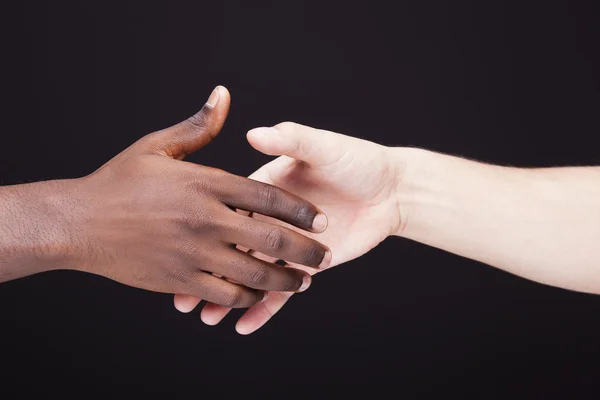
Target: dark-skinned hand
[[151, 220]]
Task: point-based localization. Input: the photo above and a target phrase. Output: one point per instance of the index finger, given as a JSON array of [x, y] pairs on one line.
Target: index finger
[[265, 199]]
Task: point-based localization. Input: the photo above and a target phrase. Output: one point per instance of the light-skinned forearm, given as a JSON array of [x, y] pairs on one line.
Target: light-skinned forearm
[[542, 224]]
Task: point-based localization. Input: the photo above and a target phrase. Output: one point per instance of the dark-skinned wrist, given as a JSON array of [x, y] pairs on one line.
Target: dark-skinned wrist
[[36, 227]]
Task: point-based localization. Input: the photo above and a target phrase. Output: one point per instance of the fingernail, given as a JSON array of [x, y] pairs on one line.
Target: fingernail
[[266, 296], [214, 98], [320, 222], [306, 280], [326, 260]]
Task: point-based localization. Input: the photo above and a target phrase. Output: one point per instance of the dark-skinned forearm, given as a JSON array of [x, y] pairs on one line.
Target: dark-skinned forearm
[[35, 227]]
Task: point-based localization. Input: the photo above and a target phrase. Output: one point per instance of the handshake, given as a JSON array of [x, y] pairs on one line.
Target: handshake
[[151, 220]]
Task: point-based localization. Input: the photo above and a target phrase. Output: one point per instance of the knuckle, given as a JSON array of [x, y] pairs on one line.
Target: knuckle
[[156, 142], [231, 298], [250, 273], [151, 140], [186, 219], [268, 196], [313, 255], [198, 121], [207, 221], [258, 276], [199, 220], [137, 164], [193, 184], [190, 248], [182, 277], [302, 213], [275, 240], [182, 226], [228, 225], [286, 126]]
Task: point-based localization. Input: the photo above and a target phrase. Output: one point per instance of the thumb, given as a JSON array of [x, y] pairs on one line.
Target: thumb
[[313, 146], [195, 132]]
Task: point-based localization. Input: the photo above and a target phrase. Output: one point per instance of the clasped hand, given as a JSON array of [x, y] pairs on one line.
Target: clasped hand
[[352, 181], [148, 219], [151, 220]]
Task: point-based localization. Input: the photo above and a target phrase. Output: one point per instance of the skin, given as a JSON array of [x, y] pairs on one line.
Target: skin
[[150, 220], [542, 224], [349, 178]]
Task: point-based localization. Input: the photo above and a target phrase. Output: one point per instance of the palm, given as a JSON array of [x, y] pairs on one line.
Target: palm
[[355, 200]]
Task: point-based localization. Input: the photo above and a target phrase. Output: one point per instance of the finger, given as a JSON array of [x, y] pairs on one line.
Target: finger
[[184, 303], [258, 274], [313, 146], [195, 132], [250, 195], [259, 314], [212, 314], [279, 242], [219, 291]]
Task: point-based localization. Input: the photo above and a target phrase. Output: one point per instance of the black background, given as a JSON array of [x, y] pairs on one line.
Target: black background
[[512, 84]]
